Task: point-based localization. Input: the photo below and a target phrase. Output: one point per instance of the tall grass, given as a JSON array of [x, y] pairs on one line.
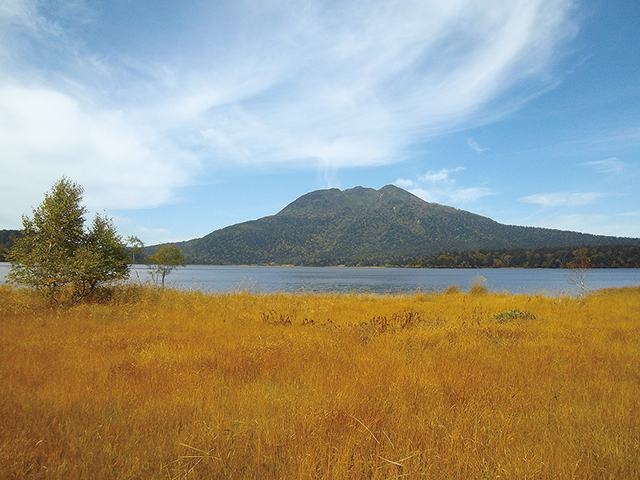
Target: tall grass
[[166, 384]]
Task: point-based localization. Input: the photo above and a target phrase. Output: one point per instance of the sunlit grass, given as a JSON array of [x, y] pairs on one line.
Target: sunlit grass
[[168, 384]]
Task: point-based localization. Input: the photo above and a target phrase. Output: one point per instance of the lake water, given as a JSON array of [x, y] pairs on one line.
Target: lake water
[[219, 279]]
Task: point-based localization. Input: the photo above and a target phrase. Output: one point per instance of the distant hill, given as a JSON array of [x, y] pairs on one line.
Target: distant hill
[[363, 226]]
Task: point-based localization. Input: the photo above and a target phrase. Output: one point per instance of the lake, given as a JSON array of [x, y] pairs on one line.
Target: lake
[[219, 279]]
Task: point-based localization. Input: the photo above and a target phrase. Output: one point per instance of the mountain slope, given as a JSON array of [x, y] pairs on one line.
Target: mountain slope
[[363, 226]]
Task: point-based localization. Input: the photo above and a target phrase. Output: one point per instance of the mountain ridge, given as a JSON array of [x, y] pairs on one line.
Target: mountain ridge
[[364, 226]]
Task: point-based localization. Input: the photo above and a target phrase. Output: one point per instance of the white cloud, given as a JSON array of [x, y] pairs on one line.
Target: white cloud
[[403, 183], [611, 166], [560, 199], [468, 195], [629, 214], [475, 146], [441, 187], [318, 83], [441, 176], [375, 75], [46, 134], [20, 12], [453, 196], [426, 195]]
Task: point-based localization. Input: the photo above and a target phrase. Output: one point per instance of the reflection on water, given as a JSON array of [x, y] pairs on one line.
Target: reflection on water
[[379, 280]]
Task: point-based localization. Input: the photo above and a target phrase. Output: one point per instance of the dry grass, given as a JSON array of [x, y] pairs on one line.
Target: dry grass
[[170, 385]]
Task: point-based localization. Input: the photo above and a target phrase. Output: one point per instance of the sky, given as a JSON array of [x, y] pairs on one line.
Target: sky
[[181, 118]]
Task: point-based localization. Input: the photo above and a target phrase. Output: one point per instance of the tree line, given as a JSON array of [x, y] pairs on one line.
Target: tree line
[[620, 256]]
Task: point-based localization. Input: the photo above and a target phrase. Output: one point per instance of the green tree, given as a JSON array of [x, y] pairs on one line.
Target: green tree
[[166, 259], [57, 257]]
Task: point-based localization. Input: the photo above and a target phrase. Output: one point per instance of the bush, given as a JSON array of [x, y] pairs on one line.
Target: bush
[[514, 315]]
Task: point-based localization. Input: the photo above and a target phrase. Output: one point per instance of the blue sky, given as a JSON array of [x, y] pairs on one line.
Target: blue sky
[[180, 118]]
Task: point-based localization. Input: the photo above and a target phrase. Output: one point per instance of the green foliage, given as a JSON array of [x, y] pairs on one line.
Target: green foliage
[[604, 256], [166, 259], [514, 315], [57, 257]]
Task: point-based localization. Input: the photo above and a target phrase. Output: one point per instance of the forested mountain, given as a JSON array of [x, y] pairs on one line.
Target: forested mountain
[[363, 226]]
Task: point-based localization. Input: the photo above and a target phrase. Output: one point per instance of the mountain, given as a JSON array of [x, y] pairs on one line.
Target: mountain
[[363, 226]]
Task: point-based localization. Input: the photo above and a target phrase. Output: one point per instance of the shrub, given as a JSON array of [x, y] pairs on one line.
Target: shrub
[[514, 315]]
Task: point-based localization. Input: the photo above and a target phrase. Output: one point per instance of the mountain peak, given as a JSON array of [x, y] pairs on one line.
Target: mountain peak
[[334, 200]]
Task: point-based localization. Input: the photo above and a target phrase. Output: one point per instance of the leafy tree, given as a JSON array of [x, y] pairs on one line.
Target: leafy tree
[[166, 259], [57, 257]]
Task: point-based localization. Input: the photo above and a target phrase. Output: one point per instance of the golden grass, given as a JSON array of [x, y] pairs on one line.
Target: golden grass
[[166, 384]]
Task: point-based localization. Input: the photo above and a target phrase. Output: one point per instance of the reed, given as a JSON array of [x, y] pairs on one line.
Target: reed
[[145, 383]]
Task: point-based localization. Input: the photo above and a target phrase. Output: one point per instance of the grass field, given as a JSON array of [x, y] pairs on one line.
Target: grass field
[[157, 384]]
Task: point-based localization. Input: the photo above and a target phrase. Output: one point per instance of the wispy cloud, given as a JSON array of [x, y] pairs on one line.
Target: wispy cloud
[[629, 214], [560, 199], [405, 183], [441, 187], [611, 166], [453, 196], [315, 83], [475, 146], [441, 176]]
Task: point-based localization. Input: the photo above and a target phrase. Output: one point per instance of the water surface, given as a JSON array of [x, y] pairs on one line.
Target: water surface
[[220, 279], [388, 280]]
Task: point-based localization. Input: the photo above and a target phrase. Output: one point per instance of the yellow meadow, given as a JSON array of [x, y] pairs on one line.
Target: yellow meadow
[[159, 384]]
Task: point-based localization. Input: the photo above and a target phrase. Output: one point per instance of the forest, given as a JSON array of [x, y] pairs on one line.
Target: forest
[[622, 256]]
